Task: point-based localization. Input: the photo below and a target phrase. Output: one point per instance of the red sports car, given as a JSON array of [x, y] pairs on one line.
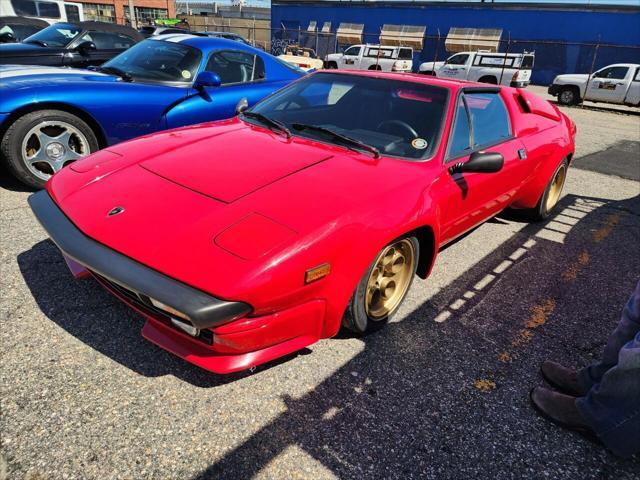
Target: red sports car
[[245, 240]]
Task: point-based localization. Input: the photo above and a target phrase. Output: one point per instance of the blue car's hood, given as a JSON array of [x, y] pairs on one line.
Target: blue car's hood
[[32, 75]]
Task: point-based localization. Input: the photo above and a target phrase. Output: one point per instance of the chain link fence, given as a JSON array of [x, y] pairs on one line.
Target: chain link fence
[[551, 57]]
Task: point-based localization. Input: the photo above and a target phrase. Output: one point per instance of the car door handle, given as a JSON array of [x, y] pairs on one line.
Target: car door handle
[[522, 154]]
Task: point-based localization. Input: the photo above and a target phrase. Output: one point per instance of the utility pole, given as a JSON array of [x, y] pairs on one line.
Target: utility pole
[[132, 15]]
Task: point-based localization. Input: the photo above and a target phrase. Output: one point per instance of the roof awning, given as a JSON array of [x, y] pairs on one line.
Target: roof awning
[[326, 27], [312, 26], [403, 35], [350, 33], [472, 39]]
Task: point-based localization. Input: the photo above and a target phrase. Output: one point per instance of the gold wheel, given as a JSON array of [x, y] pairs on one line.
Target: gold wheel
[[390, 279], [555, 189]]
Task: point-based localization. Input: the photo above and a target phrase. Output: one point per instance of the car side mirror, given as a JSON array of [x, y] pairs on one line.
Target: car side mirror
[[86, 48], [7, 37], [480, 162], [242, 105], [207, 79]]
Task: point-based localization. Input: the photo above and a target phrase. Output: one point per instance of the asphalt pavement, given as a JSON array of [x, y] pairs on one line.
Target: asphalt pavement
[[441, 393]]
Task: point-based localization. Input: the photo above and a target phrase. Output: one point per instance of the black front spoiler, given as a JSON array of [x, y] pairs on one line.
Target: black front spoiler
[[204, 310]]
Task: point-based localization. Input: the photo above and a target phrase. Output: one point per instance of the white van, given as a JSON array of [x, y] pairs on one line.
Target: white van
[[372, 57], [512, 69], [51, 11]]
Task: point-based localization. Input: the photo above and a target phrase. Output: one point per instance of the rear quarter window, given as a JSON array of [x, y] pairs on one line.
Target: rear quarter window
[[405, 54], [527, 62]]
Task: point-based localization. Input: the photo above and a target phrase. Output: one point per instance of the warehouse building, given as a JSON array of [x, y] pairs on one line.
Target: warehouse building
[[566, 37]]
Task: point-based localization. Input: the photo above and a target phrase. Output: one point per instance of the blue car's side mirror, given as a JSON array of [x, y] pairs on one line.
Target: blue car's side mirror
[[207, 79]]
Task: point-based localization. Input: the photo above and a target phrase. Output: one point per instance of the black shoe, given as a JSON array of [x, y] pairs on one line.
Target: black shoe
[[562, 378], [562, 410]]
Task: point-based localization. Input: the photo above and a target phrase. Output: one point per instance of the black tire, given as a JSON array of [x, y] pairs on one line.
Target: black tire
[[428, 72], [375, 67], [489, 79], [331, 65], [11, 144], [542, 210], [569, 95], [356, 318]]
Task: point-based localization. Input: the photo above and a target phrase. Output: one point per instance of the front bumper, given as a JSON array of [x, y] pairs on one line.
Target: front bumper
[[204, 310], [554, 90], [227, 339]]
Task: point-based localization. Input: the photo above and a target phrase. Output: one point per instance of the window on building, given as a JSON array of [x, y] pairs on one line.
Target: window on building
[[145, 15], [99, 12]]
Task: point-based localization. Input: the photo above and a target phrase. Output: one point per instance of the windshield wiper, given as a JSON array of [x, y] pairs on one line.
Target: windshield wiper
[[343, 139], [116, 71], [37, 42], [269, 121]]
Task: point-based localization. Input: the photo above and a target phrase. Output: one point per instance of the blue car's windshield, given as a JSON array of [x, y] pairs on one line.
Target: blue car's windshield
[[58, 35], [158, 61], [395, 117]]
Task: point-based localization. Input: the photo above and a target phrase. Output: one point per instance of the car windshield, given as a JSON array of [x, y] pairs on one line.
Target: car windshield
[[396, 117], [58, 35], [158, 61]]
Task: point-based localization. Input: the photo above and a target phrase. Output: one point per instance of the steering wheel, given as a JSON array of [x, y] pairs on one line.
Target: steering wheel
[[400, 123]]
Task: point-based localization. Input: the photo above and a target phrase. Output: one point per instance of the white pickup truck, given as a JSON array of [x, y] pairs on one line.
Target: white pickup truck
[[619, 83], [512, 69], [372, 57]]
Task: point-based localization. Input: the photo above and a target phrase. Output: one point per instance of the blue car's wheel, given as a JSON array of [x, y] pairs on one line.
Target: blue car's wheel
[[39, 144]]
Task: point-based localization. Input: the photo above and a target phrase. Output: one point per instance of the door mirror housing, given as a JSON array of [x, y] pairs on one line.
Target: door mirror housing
[[242, 105], [86, 48], [7, 37], [480, 162], [207, 79]]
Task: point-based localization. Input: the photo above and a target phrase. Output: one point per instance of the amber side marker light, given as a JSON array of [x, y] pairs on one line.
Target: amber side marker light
[[316, 273]]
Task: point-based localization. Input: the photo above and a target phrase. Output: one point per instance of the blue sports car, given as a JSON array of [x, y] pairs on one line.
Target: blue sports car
[[50, 117]]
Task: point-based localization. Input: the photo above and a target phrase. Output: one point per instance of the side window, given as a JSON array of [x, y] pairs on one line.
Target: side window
[[616, 73], [108, 41], [637, 77], [354, 51], [235, 67], [73, 13], [489, 118], [458, 59], [461, 134], [25, 7], [48, 10]]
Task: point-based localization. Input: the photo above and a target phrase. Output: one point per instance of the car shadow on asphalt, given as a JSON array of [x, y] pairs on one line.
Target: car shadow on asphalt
[[449, 398]]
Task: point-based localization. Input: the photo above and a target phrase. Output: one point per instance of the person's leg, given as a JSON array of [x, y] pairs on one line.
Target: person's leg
[[626, 330], [612, 407]]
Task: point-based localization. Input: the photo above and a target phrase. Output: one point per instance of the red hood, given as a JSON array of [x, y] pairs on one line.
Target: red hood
[[220, 167]]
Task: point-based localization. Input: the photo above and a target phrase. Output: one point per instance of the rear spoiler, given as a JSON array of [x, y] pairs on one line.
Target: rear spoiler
[[532, 103]]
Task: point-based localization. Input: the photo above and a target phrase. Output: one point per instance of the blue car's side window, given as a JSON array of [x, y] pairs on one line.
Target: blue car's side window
[[234, 66]]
